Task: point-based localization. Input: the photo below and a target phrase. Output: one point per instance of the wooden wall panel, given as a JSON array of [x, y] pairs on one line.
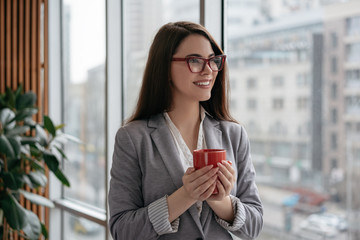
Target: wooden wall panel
[[23, 37]]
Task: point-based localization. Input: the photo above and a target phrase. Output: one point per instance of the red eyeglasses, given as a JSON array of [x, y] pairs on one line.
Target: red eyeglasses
[[197, 64]]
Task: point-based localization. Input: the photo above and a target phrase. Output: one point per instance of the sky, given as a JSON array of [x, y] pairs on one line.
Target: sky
[[87, 36]]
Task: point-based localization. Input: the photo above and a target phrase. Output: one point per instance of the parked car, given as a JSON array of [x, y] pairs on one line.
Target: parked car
[[330, 219], [319, 228]]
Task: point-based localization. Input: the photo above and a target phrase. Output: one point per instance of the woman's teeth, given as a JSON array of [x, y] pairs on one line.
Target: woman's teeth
[[203, 83]]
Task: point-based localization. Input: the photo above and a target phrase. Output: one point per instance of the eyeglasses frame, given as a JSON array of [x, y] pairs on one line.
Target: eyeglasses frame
[[207, 61]]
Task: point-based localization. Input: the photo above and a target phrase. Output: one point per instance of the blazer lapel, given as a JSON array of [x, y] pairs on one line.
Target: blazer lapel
[[165, 144]]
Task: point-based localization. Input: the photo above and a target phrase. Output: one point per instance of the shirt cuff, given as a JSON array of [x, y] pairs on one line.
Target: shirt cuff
[[239, 216], [159, 217]]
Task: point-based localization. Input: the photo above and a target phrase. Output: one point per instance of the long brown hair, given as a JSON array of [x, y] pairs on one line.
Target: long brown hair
[[156, 91]]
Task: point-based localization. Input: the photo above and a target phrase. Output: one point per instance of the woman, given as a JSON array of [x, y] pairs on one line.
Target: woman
[[155, 193]]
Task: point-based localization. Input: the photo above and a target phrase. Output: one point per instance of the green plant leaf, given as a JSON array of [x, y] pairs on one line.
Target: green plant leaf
[[13, 163], [6, 115], [26, 100], [48, 124], [61, 152], [32, 229], [60, 175], [28, 140], [41, 135], [18, 91], [16, 145], [51, 161], [9, 180], [34, 150], [5, 147], [44, 231], [60, 126], [35, 165], [26, 112], [10, 97], [29, 122], [18, 130], [13, 181], [14, 212], [37, 199], [25, 149], [38, 178], [28, 182]]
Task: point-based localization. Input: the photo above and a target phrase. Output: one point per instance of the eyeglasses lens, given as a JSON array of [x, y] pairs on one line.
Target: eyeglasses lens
[[197, 64]]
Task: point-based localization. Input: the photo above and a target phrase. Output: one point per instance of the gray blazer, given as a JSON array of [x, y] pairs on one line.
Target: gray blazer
[[146, 167]]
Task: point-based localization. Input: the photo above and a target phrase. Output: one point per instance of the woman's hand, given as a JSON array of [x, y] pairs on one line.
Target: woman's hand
[[199, 184], [225, 182]]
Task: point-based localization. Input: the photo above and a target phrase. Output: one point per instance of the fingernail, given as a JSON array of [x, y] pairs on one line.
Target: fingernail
[[229, 162]]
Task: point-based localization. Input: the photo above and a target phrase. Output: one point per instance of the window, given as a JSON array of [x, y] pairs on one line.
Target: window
[[302, 103], [334, 65], [251, 104], [287, 39], [352, 104], [353, 53], [334, 142], [265, 41], [302, 79], [333, 91], [277, 81], [353, 78], [278, 103], [84, 107], [334, 116], [251, 83], [334, 40], [352, 26]]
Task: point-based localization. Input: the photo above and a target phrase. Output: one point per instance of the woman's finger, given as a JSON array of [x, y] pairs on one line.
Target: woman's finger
[[225, 181], [226, 171], [228, 166]]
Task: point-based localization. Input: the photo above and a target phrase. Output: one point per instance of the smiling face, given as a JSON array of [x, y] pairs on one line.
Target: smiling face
[[188, 86]]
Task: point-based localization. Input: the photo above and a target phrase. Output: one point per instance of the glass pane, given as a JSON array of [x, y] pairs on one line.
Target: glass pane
[[77, 228], [84, 99], [142, 19], [295, 82]]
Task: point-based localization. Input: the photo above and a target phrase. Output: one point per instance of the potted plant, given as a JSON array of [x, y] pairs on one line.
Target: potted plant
[[26, 147]]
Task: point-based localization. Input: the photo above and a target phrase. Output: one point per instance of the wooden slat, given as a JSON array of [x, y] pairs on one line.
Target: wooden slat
[[37, 62], [46, 86], [27, 47], [8, 43], [2, 45], [14, 44], [33, 52], [21, 42]]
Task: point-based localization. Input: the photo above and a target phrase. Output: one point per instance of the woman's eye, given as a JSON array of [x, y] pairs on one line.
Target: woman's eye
[[195, 60]]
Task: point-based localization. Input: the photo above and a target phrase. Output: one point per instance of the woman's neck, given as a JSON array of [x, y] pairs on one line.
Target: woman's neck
[[185, 115], [186, 118]]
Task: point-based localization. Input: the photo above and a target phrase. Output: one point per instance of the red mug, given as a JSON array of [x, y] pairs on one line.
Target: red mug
[[205, 157]]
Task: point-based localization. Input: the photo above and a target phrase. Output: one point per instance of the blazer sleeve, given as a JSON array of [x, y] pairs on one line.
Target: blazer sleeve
[[129, 218], [248, 202]]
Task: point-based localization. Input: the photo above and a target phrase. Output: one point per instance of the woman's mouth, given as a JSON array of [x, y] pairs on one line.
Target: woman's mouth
[[202, 83]]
